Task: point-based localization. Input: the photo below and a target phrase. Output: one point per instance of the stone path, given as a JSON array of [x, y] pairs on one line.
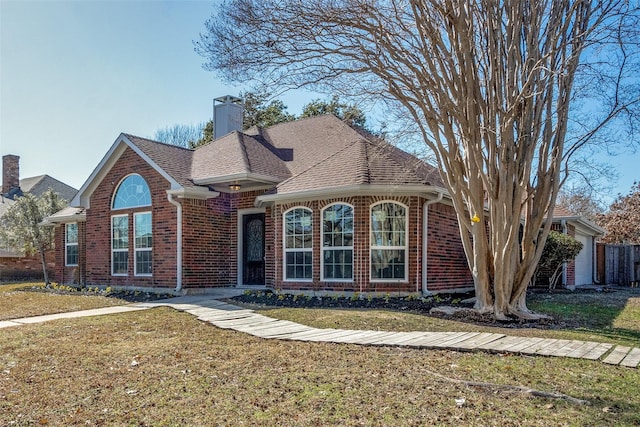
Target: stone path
[[228, 316]]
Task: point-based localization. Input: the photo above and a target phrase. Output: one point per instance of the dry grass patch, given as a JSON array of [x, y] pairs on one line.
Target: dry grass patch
[[17, 300], [161, 367]]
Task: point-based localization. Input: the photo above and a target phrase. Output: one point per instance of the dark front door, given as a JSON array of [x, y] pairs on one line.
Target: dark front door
[[253, 249]]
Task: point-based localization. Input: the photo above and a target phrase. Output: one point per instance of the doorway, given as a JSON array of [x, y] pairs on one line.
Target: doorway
[[253, 256]]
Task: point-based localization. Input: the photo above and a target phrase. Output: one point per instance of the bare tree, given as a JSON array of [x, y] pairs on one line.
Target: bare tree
[[622, 220], [187, 136], [488, 84]]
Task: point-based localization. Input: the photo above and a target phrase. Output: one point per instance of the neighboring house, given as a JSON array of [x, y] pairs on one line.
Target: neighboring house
[[306, 205], [582, 271], [13, 265]]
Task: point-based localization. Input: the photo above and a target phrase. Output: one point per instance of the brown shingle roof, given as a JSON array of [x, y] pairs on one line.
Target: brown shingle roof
[[37, 185], [237, 153], [307, 154], [176, 161]]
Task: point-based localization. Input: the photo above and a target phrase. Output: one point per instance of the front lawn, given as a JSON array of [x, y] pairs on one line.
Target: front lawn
[[161, 367], [24, 300]]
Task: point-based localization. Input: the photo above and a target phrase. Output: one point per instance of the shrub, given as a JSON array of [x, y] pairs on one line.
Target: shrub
[[558, 249]]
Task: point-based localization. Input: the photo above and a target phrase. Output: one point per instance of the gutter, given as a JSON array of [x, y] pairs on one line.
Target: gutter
[[425, 225], [178, 205]]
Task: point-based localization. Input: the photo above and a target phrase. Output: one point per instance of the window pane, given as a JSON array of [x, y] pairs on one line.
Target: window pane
[[72, 255], [388, 223], [120, 262], [133, 191], [388, 264], [298, 229], [143, 262], [299, 265], [120, 232], [143, 230], [72, 233], [337, 226], [338, 264]]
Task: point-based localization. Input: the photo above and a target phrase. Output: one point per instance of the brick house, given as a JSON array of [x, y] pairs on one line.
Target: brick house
[[15, 265], [306, 205]]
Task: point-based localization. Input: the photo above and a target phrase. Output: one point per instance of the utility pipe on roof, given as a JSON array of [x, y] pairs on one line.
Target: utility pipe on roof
[[178, 205], [425, 228]]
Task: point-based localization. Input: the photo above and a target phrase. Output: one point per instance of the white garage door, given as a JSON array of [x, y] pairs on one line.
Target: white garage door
[[584, 260]]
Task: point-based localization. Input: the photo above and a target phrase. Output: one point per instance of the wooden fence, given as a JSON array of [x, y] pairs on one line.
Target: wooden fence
[[619, 264]]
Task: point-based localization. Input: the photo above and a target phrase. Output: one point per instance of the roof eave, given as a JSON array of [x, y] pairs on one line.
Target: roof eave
[[64, 219], [194, 193], [356, 189], [265, 179]]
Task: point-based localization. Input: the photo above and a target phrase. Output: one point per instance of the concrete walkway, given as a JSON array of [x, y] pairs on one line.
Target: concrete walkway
[[209, 309]]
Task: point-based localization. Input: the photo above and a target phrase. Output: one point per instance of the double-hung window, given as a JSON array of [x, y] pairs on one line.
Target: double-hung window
[[132, 193], [298, 244], [120, 245], [337, 242], [389, 242], [143, 243], [71, 244]]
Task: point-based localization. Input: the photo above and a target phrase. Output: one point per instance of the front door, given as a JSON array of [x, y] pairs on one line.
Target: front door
[[253, 249]]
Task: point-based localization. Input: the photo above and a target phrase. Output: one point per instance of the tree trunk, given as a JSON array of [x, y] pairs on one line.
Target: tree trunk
[[44, 265]]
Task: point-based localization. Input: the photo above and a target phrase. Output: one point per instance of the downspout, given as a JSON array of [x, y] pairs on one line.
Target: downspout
[[594, 261], [425, 229], [178, 206], [564, 264]]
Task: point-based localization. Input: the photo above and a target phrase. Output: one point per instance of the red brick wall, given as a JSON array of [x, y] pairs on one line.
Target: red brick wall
[[27, 268], [98, 227], [210, 233], [444, 247], [447, 266]]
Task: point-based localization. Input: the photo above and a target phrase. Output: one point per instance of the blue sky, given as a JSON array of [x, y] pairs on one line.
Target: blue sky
[[75, 74]]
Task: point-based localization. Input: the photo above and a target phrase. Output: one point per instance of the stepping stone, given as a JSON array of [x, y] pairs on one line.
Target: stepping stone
[[597, 352], [481, 339], [616, 356], [633, 358]]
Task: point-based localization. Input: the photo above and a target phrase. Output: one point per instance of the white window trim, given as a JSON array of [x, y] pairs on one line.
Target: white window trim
[[286, 250], [67, 244], [324, 248], [119, 250], [404, 248], [115, 193], [136, 249]]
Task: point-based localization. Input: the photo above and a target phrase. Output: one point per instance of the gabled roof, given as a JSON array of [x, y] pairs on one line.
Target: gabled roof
[[37, 185], [175, 161], [583, 224]]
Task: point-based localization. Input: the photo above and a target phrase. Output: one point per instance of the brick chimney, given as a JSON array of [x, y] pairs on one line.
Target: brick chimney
[[10, 173]]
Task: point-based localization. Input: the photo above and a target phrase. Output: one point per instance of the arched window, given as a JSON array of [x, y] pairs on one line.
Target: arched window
[[298, 244], [337, 242], [132, 192], [389, 242]]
